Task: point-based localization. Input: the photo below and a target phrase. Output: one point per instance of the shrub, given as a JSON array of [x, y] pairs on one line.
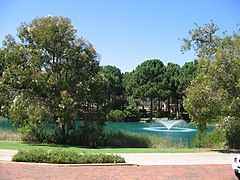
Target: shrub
[[116, 115], [92, 130], [132, 114], [33, 133], [215, 139], [64, 157], [233, 136]]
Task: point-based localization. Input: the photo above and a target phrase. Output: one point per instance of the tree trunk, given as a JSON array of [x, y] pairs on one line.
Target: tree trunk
[[63, 133], [159, 106], [168, 107], [177, 115], [151, 108]]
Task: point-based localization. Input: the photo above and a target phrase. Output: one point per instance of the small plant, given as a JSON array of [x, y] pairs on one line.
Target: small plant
[[64, 157]]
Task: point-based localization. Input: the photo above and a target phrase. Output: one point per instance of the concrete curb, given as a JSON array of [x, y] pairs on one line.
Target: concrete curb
[[70, 165]]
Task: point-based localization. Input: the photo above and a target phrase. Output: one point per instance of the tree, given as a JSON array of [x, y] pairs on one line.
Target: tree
[[214, 94], [50, 72], [202, 40], [172, 80], [147, 81], [115, 89], [187, 73]]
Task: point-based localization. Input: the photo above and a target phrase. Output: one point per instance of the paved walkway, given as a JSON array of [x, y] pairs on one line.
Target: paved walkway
[[189, 172], [159, 158], [6, 155], [211, 165], [178, 158]]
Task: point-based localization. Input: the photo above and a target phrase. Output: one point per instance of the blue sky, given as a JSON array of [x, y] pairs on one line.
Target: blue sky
[[127, 32]]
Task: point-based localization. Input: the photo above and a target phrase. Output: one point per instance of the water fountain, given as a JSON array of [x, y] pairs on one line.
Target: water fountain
[[170, 126], [170, 123]]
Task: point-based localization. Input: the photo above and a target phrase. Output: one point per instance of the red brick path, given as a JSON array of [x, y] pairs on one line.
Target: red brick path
[[38, 171]]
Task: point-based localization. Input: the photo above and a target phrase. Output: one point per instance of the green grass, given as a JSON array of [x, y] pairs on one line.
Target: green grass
[[23, 146]]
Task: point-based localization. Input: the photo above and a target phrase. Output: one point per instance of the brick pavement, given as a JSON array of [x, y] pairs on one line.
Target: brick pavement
[[10, 170]]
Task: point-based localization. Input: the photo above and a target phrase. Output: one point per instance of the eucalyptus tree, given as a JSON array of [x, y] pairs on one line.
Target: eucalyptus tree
[[203, 40], [50, 73], [214, 93]]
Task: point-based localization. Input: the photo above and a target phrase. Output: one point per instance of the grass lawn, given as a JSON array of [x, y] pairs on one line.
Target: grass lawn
[[20, 145]]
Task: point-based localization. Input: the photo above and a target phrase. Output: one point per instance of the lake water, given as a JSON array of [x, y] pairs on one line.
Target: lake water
[[154, 128]]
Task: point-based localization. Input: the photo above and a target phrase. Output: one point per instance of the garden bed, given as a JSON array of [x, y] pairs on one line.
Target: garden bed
[[64, 157]]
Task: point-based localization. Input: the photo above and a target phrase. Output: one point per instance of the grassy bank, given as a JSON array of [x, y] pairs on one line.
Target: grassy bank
[[24, 146], [9, 135]]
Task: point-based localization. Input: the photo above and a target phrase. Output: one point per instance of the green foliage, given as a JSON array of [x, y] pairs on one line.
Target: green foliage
[[233, 136], [33, 133], [51, 76], [187, 73], [116, 115], [146, 82], [114, 88], [155, 83], [64, 157], [132, 114], [203, 40], [215, 139], [214, 93], [127, 115], [92, 130], [198, 142]]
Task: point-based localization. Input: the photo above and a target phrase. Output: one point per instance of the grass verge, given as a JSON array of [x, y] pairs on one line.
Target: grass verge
[[23, 146]]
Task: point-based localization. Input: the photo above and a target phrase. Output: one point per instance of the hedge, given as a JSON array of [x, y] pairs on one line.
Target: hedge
[[64, 157]]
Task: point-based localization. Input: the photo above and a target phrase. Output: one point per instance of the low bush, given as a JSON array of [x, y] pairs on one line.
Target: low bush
[[215, 139], [33, 133], [132, 114], [116, 115], [233, 136], [64, 157]]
